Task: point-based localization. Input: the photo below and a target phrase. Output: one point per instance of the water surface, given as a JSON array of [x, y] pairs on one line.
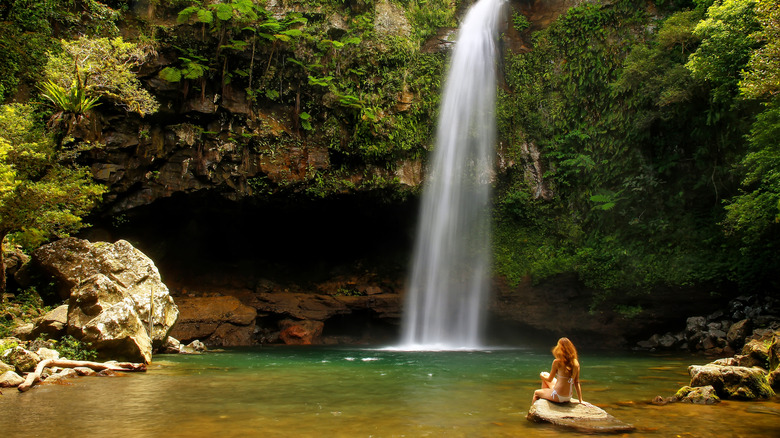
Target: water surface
[[349, 392]]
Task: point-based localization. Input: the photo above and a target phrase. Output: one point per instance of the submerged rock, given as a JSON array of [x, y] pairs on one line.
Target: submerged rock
[[704, 395], [581, 417]]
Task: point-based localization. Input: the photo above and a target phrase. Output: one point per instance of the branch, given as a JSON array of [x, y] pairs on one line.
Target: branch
[[35, 377]]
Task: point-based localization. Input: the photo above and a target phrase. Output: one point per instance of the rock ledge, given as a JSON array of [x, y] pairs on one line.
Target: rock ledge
[[583, 418]]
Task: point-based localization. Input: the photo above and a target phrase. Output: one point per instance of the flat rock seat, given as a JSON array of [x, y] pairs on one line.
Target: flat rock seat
[[583, 418]]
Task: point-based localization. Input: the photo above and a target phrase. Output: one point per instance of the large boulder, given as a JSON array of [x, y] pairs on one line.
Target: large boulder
[[112, 290], [732, 382], [217, 321], [10, 379], [581, 417]]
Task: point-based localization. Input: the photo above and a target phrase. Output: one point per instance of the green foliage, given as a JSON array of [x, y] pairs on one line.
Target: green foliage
[[105, 68], [520, 22], [73, 349], [40, 196], [762, 77], [73, 100]]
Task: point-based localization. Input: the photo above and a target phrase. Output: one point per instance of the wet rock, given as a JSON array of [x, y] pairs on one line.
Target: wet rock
[[304, 332], [61, 376], [703, 395], [22, 360], [732, 382], [217, 321], [583, 418], [10, 379]]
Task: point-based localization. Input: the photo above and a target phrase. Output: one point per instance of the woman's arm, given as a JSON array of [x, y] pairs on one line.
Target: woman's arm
[[549, 377]]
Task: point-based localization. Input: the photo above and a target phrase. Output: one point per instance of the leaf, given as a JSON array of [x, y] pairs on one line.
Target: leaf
[[170, 74], [224, 11], [304, 116], [205, 16]]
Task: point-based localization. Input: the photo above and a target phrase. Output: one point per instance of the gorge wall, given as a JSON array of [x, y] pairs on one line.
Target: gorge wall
[[287, 175]]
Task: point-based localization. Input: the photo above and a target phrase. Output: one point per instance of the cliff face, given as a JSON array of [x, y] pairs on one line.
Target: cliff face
[[288, 168]]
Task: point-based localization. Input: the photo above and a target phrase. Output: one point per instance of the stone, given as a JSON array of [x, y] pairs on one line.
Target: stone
[[5, 367], [738, 332], [22, 360], [732, 382], [756, 353], [702, 395], [171, 346], [61, 375], [10, 379], [695, 324], [194, 347], [581, 417], [96, 278], [24, 331], [304, 332], [667, 341], [52, 324], [118, 333], [774, 352], [47, 353], [85, 371], [216, 321]]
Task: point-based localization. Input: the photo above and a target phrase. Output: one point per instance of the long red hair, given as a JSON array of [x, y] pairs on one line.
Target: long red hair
[[566, 352]]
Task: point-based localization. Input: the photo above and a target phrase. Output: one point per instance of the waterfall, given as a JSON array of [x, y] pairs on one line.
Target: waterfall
[[447, 292]]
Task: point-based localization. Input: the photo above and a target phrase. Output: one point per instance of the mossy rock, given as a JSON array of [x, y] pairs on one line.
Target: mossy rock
[[732, 382], [701, 395]]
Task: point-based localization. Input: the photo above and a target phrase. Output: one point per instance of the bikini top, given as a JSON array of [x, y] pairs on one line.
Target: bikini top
[[570, 379]]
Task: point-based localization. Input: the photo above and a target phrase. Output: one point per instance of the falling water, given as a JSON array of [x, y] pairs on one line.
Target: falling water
[[447, 292]]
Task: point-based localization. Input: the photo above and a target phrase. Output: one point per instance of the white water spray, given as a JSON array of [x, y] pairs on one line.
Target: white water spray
[[447, 293]]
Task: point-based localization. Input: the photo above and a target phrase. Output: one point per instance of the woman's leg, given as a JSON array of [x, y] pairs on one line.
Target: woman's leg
[[545, 393]]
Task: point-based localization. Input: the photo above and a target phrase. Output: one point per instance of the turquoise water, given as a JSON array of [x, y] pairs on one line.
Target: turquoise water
[[346, 392]]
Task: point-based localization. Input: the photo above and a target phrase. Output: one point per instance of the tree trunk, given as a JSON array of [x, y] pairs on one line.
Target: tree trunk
[[35, 376], [2, 264]]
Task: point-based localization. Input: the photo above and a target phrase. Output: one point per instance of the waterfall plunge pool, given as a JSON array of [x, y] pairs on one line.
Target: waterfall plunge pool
[[282, 391]]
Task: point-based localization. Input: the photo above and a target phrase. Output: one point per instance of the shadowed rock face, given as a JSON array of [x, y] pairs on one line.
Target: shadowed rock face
[[582, 418]]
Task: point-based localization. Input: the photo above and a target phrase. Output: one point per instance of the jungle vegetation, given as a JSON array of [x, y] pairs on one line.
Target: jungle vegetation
[[656, 122]]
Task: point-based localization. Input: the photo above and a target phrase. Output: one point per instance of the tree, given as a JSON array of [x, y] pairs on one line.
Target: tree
[[41, 195], [104, 68]]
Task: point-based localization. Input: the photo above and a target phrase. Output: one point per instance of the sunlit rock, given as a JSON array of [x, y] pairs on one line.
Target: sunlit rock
[[53, 324], [732, 382], [10, 379], [583, 418], [704, 395], [22, 360]]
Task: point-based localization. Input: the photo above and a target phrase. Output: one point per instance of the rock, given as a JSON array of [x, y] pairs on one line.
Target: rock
[[5, 367], [60, 376], [52, 324], [732, 382], [755, 353], [47, 353], [217, 321], [304, 332], [738, 332], [117, 333], [96, 278], [194, 347], [583, 418], [171, 346], [22, 360], [774, 352], [10, 379], [85, 371], [695, 324], [703, 395], [667, 341], [24, 331]]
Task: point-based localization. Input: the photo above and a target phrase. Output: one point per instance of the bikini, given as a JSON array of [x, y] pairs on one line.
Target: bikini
[[561, 398]]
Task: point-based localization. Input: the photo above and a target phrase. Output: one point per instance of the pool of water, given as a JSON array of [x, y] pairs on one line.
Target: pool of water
[[364, 392]]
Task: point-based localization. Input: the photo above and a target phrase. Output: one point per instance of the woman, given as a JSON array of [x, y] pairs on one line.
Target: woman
[[558, 385]]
